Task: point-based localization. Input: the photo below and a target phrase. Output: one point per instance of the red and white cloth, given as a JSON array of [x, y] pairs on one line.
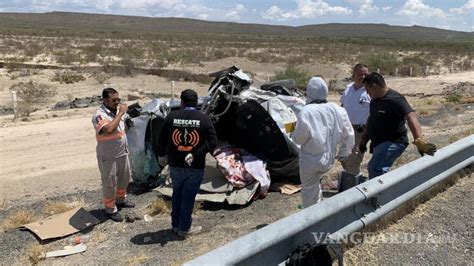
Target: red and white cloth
[[241, 168]]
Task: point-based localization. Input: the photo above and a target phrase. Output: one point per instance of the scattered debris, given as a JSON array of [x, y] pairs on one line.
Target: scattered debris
[[147, 218], [79, 239], [66, 252], [461, 88], [78, 103], [287, 189], [129, 218]]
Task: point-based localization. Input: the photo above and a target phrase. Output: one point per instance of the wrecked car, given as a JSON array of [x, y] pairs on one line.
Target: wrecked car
[[253, 127]]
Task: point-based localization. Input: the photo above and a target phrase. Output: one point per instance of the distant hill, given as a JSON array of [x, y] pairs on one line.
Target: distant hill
[[98, 22]]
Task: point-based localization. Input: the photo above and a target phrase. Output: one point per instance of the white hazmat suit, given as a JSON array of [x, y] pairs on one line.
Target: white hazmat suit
[[320, 129]]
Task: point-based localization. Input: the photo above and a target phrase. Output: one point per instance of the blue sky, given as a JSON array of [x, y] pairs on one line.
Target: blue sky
[[448, 14]]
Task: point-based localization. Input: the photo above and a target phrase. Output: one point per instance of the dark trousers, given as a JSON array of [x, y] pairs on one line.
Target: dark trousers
[[186, 183]]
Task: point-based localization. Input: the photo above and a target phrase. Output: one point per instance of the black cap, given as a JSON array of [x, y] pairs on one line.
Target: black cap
[[189, 98]]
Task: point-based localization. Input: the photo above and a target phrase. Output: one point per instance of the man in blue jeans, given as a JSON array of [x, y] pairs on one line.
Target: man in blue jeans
[[389, 110], [185, 138]]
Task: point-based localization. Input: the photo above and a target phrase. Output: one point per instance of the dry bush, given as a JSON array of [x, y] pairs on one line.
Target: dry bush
[[56, 207], [18, 219], [467, 132], [33, 49], [423, 112], [36, 253], [129, 66], [67, 57], [67, 77], [159, 206], [31, 95], [299, 75], [101, 77], [386, 62]]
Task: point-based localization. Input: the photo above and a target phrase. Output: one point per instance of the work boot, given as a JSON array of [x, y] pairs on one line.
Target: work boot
[[126, 204], [116, 217], [192, 231]]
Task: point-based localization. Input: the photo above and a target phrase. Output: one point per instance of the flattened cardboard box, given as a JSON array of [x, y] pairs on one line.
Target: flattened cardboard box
[[62, 224]]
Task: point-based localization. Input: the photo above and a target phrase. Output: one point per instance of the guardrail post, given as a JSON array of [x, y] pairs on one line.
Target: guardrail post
[[15, 104]]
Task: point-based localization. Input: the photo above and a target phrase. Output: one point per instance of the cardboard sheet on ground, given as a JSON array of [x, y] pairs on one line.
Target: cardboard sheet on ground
[[214, 181], [62, 224], [216, 188], [238, 196]]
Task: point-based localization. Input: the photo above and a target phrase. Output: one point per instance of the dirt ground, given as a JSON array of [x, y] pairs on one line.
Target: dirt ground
[[52, 157], [443, 229]]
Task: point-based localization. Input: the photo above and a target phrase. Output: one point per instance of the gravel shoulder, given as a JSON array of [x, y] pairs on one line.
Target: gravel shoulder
[[442, 227]]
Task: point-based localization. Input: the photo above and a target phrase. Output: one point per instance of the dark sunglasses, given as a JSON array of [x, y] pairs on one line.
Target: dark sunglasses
[[115, 100]]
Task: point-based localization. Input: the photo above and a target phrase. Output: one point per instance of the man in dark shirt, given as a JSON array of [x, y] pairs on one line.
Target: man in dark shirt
[[386, 126], [186, 136]]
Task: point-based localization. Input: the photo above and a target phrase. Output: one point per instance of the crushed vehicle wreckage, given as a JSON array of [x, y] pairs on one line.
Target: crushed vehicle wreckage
[[253, 128]]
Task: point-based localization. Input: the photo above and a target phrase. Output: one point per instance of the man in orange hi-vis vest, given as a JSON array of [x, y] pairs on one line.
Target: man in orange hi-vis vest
[[112, 153]]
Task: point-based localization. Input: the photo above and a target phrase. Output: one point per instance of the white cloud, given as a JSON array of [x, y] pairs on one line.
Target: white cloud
[[466, 9], [386, 8], [275, 13], [368, 7], [306, 9], [236, 12], [418, 9]]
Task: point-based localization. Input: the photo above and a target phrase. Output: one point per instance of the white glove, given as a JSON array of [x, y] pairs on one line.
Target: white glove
[[163, 160], [189, 159]]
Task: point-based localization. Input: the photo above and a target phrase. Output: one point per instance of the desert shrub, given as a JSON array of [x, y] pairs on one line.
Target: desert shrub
[[299, 75], [101, 77], [128, 66], [466, 64], [453, 98], [67, 57], [17, 219], [31, 95], [33, 49], [160, 63], [92, 52], [386, 62], [67, 77]]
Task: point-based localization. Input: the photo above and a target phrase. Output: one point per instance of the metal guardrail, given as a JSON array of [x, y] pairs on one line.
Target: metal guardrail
[[344, 213]]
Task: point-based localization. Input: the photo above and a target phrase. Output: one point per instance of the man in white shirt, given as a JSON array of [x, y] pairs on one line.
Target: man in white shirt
[[321, 127], [356, 101]]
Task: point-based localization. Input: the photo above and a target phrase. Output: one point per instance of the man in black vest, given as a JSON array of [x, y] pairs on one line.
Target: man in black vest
[[186, 136], [389, 110]]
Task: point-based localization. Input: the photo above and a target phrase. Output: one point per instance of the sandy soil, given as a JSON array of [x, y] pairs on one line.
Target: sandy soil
[[58, 146]]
